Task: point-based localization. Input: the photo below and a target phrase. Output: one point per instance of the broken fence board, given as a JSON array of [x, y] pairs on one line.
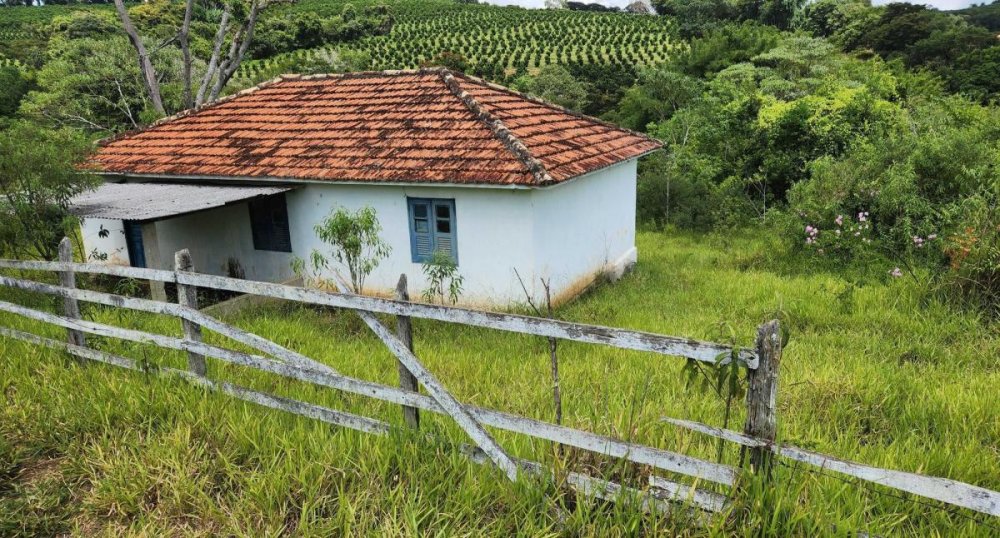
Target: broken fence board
[[451, 406], [941, 489], [659, 458], [593, 334]]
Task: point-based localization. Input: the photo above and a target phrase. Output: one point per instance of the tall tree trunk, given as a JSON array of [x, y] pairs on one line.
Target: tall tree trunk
[[213, 62], [145, 64], [186, 53], [237, 50]]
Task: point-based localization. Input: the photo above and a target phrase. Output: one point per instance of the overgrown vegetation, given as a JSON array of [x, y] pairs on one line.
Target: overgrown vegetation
[[833, 161], [865, 375]]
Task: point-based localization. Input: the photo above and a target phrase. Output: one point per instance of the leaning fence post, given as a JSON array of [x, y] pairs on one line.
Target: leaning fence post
[[67, 279], [404, 330], [762, 395], [188, 296]]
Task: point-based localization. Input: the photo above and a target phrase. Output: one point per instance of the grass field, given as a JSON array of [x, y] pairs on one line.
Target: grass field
[[876, 372]]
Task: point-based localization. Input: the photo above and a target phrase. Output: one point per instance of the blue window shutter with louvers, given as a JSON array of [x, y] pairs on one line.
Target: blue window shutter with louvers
[[432, 228]]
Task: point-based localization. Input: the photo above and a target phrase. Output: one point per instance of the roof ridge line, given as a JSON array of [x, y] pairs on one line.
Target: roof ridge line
[[560, 108], [189, 111], [497, 127]]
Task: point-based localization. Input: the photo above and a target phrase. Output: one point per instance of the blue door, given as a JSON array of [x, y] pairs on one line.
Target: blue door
[[133, 240]]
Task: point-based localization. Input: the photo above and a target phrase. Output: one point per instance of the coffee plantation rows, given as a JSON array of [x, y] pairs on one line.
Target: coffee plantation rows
[[497, 42]]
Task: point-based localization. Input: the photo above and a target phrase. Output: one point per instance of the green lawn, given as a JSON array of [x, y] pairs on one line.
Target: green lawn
[[875, 372]]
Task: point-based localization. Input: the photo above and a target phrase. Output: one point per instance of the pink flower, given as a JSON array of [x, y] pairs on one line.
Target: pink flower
[[932, 237], [896, 273], [839, 220], [863, 216]]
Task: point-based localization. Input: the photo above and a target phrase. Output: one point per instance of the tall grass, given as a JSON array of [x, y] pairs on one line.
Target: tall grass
[[875, 371]]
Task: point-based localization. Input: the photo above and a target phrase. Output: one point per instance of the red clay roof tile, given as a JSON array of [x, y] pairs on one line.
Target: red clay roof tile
[[426, 126]]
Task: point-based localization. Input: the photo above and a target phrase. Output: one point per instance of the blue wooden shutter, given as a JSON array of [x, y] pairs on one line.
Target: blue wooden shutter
[[444, 228], [421, 238], [432, 228]]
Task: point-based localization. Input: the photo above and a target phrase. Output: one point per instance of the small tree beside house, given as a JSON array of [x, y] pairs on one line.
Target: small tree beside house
[[356, 244]]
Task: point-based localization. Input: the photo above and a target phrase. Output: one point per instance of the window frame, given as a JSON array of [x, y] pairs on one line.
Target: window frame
[[285, 240], [432, 233]]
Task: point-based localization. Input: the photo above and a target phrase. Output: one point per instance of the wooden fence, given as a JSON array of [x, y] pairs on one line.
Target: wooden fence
[[662, 493]]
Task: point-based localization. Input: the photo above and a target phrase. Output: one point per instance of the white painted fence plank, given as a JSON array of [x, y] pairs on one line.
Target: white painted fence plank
[[453, 407], [659, 458], [593, 334], [653, 499], [941, 489], [156, 307]]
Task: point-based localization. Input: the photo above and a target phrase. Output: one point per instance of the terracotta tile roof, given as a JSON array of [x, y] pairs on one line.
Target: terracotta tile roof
[[426, 126]]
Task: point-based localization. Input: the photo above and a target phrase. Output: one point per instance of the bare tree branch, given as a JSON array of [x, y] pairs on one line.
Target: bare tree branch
[[237, 50], [145, 64], [183, 36], [213, 62]]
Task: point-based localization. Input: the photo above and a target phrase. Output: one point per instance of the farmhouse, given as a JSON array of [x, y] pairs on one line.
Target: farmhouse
[[503, 183]]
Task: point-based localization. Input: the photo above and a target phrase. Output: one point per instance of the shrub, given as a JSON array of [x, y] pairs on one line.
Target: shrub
[[354, 238]]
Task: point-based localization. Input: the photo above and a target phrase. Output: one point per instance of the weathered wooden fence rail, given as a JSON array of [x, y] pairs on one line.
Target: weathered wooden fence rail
[[762, 364]]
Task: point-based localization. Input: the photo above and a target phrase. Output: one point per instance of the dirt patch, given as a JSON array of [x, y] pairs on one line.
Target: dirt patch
[[39, 471]]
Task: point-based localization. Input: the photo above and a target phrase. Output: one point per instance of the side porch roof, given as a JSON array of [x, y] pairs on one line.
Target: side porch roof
[[153, 201]]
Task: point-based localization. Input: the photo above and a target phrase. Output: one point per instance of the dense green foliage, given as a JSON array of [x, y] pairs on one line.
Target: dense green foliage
[[877, 373], [960, 48], [37, 179]]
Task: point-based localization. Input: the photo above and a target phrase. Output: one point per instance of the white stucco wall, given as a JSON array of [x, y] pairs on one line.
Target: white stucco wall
[[569, 233], [493, 232], [113, 245], [584, 228], [215, 236]]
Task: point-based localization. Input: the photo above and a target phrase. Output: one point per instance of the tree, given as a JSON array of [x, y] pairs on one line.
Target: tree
[[38, 176], [13, 87], [451, 60], [555, 4], [219, 69], [555, 84], [355, 241], [95, 84], [639, 7]]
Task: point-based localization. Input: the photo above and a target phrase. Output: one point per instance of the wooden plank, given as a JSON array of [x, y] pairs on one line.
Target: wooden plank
[[659, 458], [141, 273], [68, 279], [151, 252], [706, 500], [655, 498], [762, 395], [188, 296], [455, 410], [330, 416], [580, 332], [651, 500], [404, 330], [941, 489], [593, 334], [155, 307]]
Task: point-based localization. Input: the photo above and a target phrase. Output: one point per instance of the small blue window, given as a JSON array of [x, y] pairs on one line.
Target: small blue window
[[432, 228]]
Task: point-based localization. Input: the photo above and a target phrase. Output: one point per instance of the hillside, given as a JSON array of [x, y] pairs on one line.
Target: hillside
[[498, 42]]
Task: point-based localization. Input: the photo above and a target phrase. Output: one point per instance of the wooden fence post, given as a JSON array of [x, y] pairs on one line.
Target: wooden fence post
[[404, 330], [188, 296], [71, 309], [762, 396]]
